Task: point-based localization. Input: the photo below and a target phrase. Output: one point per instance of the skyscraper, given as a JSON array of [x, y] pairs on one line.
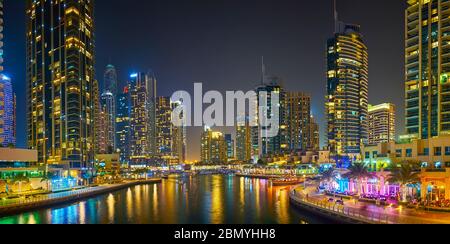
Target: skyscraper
[[102, 128], [60, 81], [381, 123], [427, 68], [347, 91], [243, 151], [298, 120], [270, 145], [123, 124], [213, 147], [164, 137], [108, 104], [179, 133], [230, 146], [7, 99], [142, 122], [7, 131], [314, 135], [1, 35], [110, 80]]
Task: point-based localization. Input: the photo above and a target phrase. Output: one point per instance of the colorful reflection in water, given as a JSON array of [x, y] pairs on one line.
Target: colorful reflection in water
[[215, 199]]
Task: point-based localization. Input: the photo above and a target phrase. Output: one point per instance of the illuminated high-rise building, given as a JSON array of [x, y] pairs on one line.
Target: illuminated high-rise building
[[170, 139], [243, 150], [60, 81], [269, 145], [314, 135], [7, 130], [164, 137], [230, 146], [108, 104], [179, 133], [381, 123], [1, 36], [102, 128], [427, 66], [123, 125], [298, 120], [213, 147], [110, 80], [347, 91], [142, 118], [7, 99]]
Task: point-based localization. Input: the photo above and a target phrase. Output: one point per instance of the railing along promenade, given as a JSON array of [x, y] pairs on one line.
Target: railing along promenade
[[336, 211]]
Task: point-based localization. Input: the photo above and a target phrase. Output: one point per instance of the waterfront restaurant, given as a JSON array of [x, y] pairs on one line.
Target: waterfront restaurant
[[377, 185], [433, 155]]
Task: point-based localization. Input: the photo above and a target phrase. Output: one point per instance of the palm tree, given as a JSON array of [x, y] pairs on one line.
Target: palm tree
[[46, 178], [358, 172], [20, 179], [404, 176], [328, 176]]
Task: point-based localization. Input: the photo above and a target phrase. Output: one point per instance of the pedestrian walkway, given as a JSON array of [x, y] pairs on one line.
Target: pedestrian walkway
[[372, 213], [22, 204], [51, 196]]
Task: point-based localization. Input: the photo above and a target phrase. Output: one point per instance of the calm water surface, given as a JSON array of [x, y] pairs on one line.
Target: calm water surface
[[215, 199]]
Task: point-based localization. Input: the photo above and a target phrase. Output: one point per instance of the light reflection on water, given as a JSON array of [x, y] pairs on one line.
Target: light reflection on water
[[213, 199]]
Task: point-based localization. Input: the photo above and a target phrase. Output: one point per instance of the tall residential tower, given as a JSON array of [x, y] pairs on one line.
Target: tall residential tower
[[381, 123], [427, 77], [347, 91], [60, 81], [7, 99]]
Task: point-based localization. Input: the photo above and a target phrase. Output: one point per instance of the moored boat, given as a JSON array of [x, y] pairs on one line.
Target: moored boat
[[286, 181]]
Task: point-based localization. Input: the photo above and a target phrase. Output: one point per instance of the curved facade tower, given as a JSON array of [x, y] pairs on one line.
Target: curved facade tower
[[60, 81], [427, 77], [347, 91]]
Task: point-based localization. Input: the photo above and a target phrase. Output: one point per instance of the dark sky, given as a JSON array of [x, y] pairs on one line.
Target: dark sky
[[220, 43]]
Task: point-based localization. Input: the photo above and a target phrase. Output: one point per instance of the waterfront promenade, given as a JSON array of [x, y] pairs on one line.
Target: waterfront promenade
[[353, 211], [14, 206]]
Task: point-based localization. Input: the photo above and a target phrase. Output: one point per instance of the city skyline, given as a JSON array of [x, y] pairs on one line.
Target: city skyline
[[120, 119], [298, 60]]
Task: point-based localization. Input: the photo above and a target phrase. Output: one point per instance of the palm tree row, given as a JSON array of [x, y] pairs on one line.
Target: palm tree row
[[404, 174]]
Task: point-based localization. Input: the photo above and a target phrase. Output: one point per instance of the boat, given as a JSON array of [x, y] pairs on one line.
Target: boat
[[286, 181]]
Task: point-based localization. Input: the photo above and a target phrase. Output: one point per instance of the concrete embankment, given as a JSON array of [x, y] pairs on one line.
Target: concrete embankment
[[67, 197]]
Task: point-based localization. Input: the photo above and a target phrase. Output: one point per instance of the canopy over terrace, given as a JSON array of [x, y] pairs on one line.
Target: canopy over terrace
[[13, 161]]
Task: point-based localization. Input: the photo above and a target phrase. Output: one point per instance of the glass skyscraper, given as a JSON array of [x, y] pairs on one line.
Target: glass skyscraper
[[60, 81], [347, 91], [7, 99], [123, 124], [298, 120], [110, 79], [7, 135], [143, 117], [108, 105], [269, 146], [427, 59]]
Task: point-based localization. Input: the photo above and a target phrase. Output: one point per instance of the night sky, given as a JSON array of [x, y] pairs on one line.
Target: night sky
[[220, 43]]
